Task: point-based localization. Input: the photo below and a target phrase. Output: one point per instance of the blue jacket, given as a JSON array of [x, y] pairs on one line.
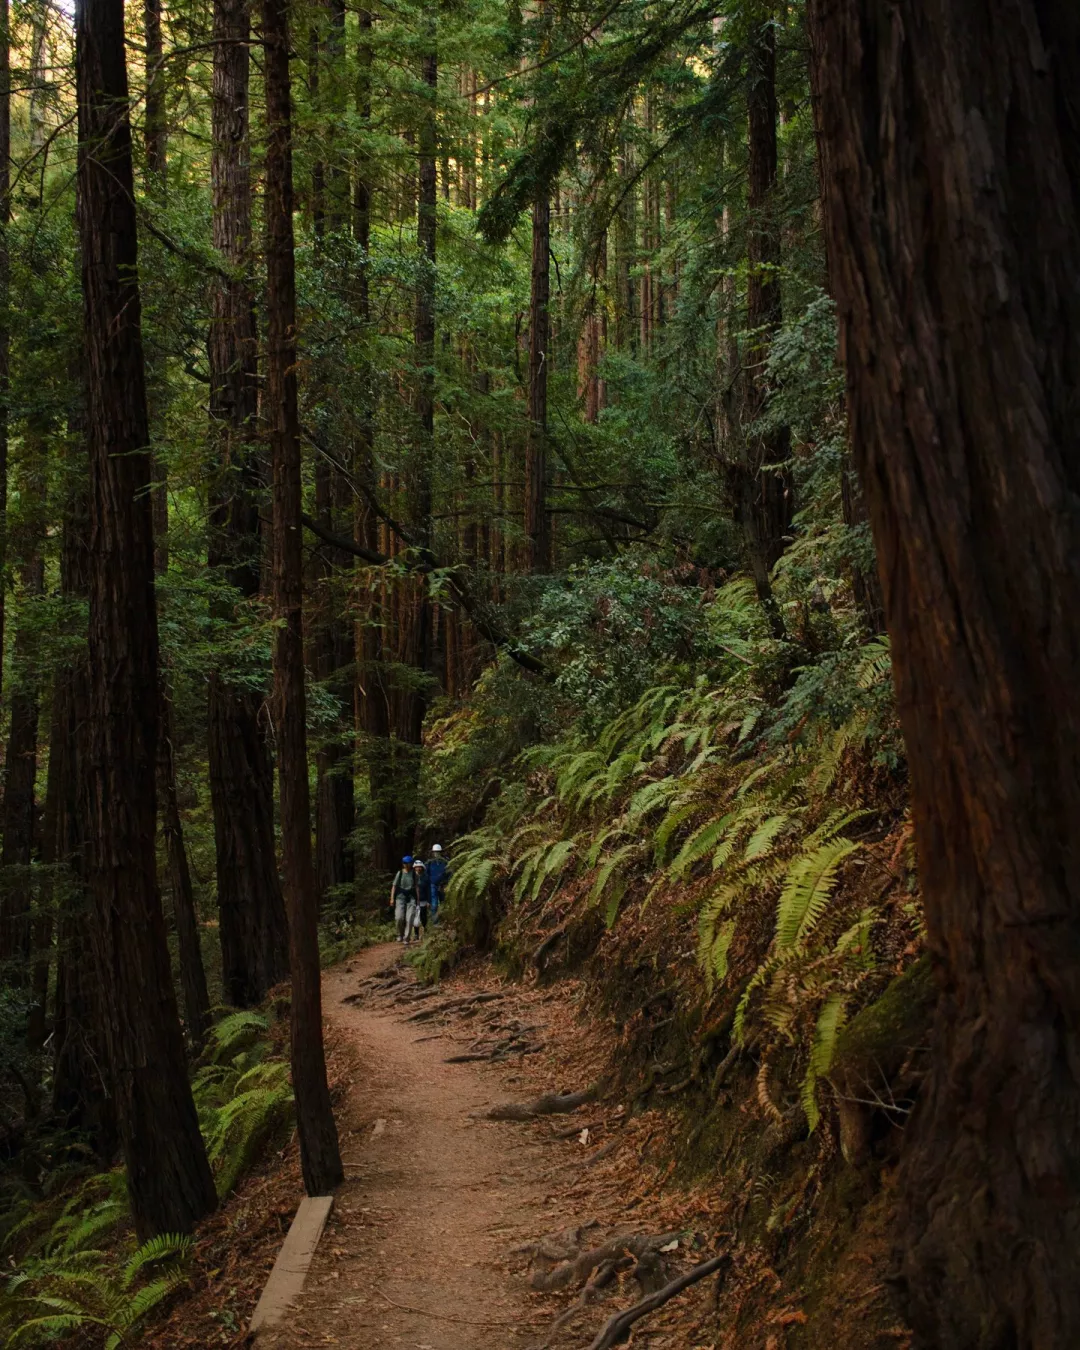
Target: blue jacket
[[438, 873]]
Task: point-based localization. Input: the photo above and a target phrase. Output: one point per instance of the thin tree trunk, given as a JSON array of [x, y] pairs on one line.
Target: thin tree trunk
[[253, 926], [192, 972], [537, 516], [952, 173], [169, 1178], [762, 492], [155, 127], [373, 710], [319, 1155], [20, 774]]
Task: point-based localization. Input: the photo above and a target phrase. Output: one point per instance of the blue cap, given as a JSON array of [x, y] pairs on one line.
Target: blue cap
[[407, 858]]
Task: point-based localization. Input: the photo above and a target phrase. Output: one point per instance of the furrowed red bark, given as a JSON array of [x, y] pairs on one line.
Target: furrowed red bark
[[169, 1179], [253, 926], [319, 1155], [952, 173]]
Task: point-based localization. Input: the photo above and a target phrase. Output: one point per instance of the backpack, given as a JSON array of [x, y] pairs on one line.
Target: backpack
[[405, 882]]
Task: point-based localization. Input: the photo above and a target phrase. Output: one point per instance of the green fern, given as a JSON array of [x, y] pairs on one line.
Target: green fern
[[702, 841], [830, 1020], [807, 890], [765, 836]]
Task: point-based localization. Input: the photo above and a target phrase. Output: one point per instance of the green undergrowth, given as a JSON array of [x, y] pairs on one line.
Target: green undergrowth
[[727, 864], [67, 1238]]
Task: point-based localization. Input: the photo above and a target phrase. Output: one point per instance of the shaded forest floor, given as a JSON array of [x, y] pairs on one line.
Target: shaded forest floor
[[454, 1231]]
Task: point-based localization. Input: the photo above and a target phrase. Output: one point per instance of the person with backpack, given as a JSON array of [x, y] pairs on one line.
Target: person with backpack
[[438, 874], [402, 894], [423, 898]]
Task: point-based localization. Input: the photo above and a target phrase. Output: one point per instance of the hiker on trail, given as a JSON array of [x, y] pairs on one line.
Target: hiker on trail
[[438, 874], [402, 894], [423, 896]]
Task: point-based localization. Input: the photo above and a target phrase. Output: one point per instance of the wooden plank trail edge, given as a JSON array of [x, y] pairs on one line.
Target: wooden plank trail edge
[[291, 1267]]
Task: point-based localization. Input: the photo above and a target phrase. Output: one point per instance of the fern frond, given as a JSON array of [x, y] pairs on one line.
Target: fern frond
[[164, 1247], [765, 836], [830, 1020], [609, 866], [808, 888], [702, 841]]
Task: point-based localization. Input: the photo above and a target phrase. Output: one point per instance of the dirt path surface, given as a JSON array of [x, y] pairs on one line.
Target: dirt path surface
[[416, 1252]]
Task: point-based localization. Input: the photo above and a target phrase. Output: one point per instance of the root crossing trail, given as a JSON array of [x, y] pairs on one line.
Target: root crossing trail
[[416, 1251]]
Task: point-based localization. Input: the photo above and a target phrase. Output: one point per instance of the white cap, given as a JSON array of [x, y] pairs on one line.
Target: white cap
[[436, 848]]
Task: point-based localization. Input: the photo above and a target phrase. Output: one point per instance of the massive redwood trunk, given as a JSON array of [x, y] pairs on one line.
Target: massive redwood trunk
[[253, 928], [168, 1175], [319, 1155], [951, 155]]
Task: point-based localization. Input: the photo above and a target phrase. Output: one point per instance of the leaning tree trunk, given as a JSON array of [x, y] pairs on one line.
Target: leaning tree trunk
[[169, 1179], [253, 927], [952, 173], [319, 1155]]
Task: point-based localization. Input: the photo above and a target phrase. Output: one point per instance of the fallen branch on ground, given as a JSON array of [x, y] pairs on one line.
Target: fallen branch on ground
[[616, 1328], [550, 1104]]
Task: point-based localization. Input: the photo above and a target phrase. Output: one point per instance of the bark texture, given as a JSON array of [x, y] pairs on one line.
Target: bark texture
[[319, 1155], [951, 155], [253, 927], [168, 1175]]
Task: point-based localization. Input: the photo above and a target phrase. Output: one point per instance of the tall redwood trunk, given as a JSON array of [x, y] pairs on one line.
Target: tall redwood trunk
[[952, 171], [168, 1175], [319, 1155], [253, 927], [537, 516]]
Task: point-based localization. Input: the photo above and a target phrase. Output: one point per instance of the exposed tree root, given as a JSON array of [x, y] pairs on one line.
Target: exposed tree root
[[550, 1104], [617, 1327]]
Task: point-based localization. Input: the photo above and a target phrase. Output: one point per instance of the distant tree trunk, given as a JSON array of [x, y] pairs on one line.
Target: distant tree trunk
[[168, 1175], [20, 774], [189, 942], [155, 126], [253, 926], [537, 516], [952, 176], [319, 1155], [332, 639], [372, 704], [762, 492]]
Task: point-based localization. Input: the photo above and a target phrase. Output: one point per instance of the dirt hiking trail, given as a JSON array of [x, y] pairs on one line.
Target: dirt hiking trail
[[455, 1231], [416, 1250]]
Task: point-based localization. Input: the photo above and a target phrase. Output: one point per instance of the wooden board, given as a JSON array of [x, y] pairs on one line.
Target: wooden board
[[291, 1267]]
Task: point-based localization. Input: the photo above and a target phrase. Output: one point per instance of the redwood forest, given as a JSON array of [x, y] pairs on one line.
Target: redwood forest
[[540, 674]]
